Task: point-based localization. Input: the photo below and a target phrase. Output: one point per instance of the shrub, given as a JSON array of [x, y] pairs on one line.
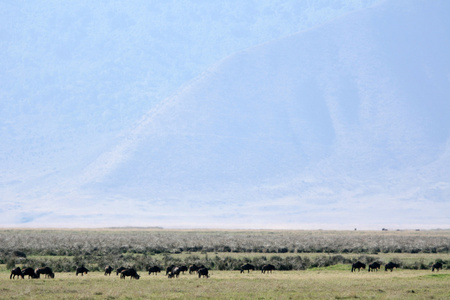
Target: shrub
[[17, 253], [10, 264]]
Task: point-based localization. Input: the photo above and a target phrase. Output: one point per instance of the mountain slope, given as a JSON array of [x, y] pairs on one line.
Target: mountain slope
[[76, 74], [344, 125]]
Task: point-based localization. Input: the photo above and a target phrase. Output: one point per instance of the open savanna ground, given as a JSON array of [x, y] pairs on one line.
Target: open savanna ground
[[309, 264], [324, 283]]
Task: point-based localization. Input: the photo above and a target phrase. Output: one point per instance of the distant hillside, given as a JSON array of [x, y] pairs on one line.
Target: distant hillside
[[340, 126], [76, 74]]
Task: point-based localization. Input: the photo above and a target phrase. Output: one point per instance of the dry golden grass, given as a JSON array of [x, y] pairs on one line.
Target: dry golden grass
[[311, 284]]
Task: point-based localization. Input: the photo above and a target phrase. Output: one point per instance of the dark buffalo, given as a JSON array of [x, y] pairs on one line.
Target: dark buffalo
[[154, 269], [175, 272], [29, 272], [169, 269], [16, 272], [267, 268], [203, 272], [247, 267], [375, 266], [183, 269], [391, 266], [358, 265], [108, 270], [81, 270], [437, 266], [195, 268], [46, 271], [129, 272], [119, 270]]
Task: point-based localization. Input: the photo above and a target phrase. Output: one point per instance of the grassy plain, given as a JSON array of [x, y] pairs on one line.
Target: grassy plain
[[322, 283], [316, 276]]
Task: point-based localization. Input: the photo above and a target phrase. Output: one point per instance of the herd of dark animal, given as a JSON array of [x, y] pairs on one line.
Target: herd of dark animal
[[32, 273], [375, 266], [173, 271], [265, 268]]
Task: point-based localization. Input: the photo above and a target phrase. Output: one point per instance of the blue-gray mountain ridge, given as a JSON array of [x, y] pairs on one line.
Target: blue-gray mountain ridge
[[343, 125]]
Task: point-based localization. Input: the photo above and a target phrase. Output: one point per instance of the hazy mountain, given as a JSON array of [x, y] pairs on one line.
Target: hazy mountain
[[342, 125], [78, 73]]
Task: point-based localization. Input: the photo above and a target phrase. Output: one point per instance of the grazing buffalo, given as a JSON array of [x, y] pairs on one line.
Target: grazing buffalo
[[175, 272], [169, 269], [247, 267], [46, 271], [129, 272], [16, 272], [358, 265], [391, 266], [375, 266], [437, 266], [81, 270], [108, 270], [203, 272], [183, 269], [195, 268], [29, 272], [154, 269], [119, 270], [267, 268]]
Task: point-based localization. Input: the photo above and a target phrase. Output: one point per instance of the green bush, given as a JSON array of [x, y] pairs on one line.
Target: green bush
[[10, 264]]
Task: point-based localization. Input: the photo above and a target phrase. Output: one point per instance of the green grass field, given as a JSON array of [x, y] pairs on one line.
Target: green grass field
[[335, 282]]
